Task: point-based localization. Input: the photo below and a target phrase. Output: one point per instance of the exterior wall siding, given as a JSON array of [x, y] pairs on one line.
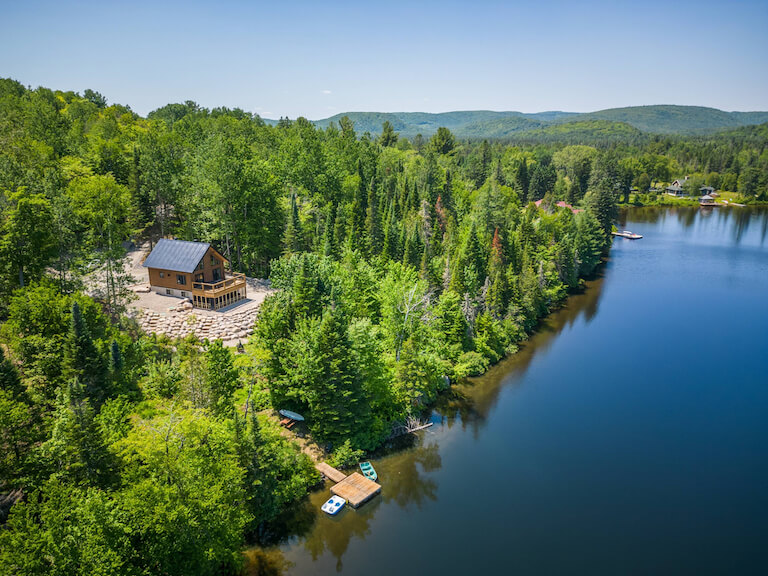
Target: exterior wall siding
[[208, 271], [208, 267], [169, 279]]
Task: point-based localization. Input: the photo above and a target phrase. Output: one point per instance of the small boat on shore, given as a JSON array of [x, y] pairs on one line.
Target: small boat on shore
[[627, 234], [333, 506], [292, 415], [367, 469]]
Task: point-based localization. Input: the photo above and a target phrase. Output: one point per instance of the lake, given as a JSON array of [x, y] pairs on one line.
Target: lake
[[628, 436]]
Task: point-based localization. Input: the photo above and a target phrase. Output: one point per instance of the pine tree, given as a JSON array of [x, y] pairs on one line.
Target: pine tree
[[336, 398], [521, 176], [306, 291], [413, 248], [473, 252], [485, 161], [293, 234], [76, 448], [330, 223], [116, 365], [388, 135], [220, 379], [359, 208], [9, 378], [373, 222], [390, 244], [82, 358], [339, 229], [601, 202], [495, 301]]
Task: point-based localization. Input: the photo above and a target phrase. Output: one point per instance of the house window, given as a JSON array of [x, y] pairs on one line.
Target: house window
[[199, 277], [162, 274], [200, 265], [183, 294], [168, 292], [181, 279], [213, 260], [216, 274]]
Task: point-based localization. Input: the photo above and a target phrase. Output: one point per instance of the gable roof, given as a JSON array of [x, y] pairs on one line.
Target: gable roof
[[176, 255]]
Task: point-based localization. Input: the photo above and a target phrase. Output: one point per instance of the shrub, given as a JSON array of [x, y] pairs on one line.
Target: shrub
[[345, 456]]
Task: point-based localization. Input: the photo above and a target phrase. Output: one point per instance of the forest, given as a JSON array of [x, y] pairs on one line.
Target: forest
[[400, 265]]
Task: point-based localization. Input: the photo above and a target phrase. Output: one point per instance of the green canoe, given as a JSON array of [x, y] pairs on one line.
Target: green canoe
[[367, 469]]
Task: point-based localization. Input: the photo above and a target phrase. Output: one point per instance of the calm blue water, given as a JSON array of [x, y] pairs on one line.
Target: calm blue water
[[629, 436]]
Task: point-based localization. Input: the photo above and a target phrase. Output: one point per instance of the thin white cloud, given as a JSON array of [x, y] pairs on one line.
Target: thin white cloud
[[326, 91]]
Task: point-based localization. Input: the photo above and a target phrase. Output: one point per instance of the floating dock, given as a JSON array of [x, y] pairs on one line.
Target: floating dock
[[330, 472], [356, 489]]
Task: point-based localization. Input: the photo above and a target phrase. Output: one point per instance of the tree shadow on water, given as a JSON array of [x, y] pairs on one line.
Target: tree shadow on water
[[471, 401]]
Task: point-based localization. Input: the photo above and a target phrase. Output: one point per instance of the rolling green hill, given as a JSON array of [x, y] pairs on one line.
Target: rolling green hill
[[660, 119], [412, 123], [678, 119]]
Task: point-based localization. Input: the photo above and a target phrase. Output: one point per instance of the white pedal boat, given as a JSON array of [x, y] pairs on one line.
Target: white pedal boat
[[333, 505]]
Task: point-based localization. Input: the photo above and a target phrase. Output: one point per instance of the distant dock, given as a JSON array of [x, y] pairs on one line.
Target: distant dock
[[356, 489]]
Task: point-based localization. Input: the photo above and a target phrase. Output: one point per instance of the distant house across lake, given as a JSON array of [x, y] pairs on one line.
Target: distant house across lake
[[194, 270], [676, 188]]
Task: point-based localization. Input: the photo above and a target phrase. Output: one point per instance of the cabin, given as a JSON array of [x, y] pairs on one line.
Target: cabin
[[675, 190], [707, 190], [194, 270], [707, 199]]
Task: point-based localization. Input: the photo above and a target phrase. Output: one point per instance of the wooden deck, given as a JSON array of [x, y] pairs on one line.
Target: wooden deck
[[355, 489], [330, 472]]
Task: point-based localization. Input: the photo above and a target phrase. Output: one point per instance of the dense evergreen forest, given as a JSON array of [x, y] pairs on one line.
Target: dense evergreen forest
[[400, 265]]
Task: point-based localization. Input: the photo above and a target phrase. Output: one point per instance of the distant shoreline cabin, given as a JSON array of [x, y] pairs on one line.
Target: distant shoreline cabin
[[194, 270], [676, 188]]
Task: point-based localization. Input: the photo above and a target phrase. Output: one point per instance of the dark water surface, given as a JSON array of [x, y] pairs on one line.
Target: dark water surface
[[629, 436]]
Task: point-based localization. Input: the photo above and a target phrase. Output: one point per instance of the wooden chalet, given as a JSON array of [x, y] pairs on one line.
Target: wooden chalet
[[676, 188], [194, 270]]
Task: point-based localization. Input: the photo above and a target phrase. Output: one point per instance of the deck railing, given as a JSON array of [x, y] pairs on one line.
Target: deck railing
[[214, 289]]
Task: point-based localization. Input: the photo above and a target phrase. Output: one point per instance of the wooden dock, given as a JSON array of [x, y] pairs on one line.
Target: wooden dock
[[330, 472], [355, 489]]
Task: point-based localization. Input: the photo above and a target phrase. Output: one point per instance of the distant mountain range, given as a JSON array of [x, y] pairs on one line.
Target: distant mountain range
[[662, 119]]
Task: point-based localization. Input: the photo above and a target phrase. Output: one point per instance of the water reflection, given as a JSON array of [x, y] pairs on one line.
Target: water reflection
[[265, 562], [469, 404], [739, 218], [406, 481], [334, 533]]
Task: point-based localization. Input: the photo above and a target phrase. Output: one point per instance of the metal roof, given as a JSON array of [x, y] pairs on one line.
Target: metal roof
[[176, 255]]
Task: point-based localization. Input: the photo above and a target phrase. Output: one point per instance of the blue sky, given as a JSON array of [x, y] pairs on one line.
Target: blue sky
[[316, 59]]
